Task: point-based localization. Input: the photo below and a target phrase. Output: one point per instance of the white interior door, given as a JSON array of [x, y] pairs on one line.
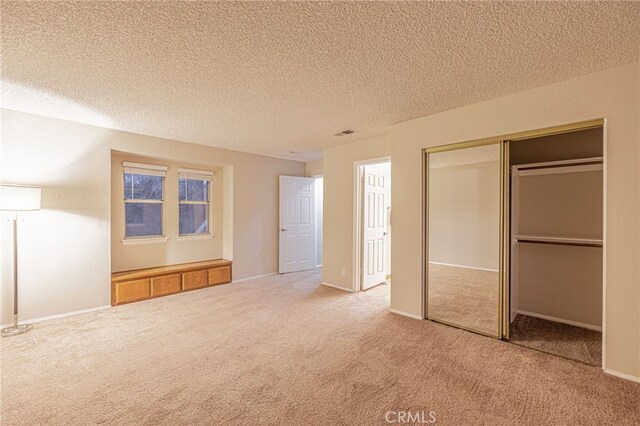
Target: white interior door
[[376, 210], [297, 224]]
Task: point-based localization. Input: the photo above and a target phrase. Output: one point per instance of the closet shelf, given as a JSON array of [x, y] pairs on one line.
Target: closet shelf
[[569, 241], [561, 163]]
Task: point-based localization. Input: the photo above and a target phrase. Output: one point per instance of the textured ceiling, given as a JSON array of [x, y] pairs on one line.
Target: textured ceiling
[[273, 77]]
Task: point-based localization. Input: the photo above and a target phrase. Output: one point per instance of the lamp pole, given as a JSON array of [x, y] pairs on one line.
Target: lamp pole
[[17, 198], [15, 329]]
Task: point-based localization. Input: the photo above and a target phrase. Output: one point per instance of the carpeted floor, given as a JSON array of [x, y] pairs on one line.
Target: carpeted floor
[[465, 297], [285, 350], [564, 340]]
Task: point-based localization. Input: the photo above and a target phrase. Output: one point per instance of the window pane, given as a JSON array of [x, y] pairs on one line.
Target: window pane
[[194, 219], [198, 190], [182, 189], [194, 190], [128, 193], [146, 187], [143, 219]]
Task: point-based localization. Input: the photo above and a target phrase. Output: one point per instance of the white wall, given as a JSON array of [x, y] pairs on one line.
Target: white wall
[[65, 261], [613, 94]]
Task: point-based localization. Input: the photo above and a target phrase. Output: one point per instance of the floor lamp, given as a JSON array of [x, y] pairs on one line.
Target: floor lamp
[[17, 198]]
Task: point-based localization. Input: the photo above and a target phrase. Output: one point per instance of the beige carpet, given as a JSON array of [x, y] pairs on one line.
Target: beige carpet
[[559, 339], [465, 297], [287, 351]]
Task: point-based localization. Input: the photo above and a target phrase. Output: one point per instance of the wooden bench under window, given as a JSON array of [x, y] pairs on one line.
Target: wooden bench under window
[[141, 284]]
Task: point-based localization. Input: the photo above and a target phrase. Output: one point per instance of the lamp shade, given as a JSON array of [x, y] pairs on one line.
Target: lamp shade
[[19, 198]]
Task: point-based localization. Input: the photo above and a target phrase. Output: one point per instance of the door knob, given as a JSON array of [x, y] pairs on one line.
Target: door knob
[[384, 234], [283, 229]]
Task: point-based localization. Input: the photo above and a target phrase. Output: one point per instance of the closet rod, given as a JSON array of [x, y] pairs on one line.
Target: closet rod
[[564, 241], [562, 163]]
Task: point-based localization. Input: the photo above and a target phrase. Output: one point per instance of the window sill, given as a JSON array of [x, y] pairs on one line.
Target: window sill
[[151, 240], [195, 237]]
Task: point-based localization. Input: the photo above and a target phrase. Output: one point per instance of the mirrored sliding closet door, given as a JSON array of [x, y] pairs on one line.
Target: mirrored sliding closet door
[[463, 242]]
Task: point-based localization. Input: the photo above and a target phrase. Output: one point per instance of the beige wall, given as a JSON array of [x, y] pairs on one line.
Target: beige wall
[[560, 204], [338, 206], [175, 250], [613, 94], [314, 168], [565, 146], [65, 247], [559, 281]]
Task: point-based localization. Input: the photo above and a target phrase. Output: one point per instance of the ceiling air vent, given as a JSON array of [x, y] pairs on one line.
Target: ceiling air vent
[[344, 132]]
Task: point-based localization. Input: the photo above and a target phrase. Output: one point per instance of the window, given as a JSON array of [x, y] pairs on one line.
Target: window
[[143, 200], [194, 199]]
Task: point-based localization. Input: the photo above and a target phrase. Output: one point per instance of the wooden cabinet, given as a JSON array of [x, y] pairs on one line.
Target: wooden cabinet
[[194, 279], [166, 285], [220, 275], [141, 284], [132, 291]]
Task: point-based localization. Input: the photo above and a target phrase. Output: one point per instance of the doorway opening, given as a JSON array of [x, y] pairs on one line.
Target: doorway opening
[[372, 224]]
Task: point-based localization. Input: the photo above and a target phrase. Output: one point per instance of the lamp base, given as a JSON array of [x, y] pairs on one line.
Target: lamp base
[[15, 330]]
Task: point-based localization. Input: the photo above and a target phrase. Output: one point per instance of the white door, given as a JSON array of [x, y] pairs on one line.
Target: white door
[[376, 215], [297, 224]]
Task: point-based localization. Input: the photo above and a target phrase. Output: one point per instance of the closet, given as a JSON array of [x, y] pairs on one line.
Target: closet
[[513, 244], [556, 244]]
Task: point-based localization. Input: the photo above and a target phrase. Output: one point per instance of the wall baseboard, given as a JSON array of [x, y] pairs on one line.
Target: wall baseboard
[[270, 274], [621, 375], [562, 320], [465, 267], [406, 314], [349, 290], [66, 314]]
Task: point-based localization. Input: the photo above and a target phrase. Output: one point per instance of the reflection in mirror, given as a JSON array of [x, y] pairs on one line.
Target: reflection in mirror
[[464, 238]]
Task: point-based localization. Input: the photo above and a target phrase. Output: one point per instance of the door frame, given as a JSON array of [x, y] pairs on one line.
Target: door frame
[[505, 141], [358, 169]]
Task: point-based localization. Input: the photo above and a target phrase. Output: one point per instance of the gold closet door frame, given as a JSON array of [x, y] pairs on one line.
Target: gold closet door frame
[[505, 222], [502, 213]]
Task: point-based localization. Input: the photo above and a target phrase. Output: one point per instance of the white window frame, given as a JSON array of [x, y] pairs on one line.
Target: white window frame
[[197, 175], [149, 170]]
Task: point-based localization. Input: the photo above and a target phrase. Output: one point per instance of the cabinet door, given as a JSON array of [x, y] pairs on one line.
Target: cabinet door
[[165, 285], [220, 275], [131, 291], [194, 279]]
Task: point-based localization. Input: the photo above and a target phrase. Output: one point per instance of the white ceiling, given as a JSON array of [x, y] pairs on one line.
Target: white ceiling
[[273, 77]]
